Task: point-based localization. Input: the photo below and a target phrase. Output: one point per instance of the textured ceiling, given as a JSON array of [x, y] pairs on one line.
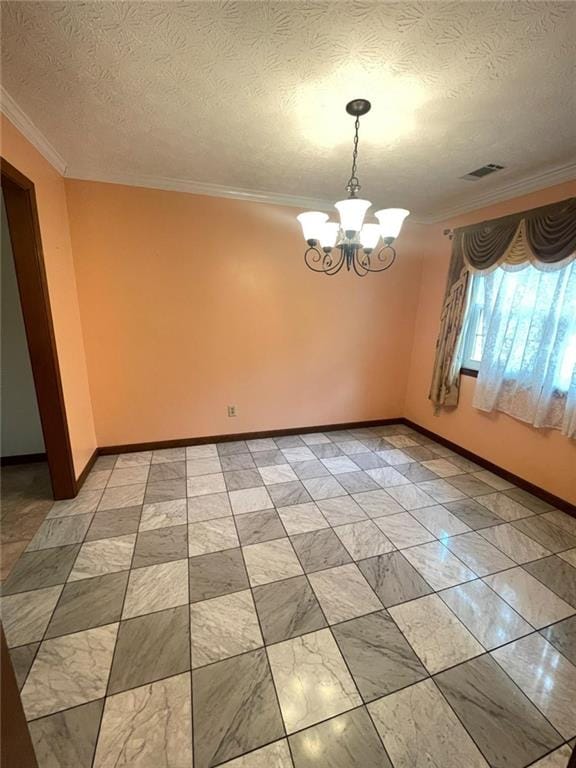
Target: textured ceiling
[[251, 95]]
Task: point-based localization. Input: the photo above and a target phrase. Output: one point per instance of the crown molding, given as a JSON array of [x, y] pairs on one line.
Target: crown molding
[[203, 188], [554, 175], [29, 130]]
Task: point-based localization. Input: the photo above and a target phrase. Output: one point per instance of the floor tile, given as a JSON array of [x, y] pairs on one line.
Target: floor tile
[[165, 490], [69, 671], [478, 554], [387, 477], [163, 514], [341, 510], [222, 627], [151, 647], [218, 573], [495, 481], [528, 500], [42, 568], [346, 741], [114, 522], [231, 447], [88, 603], [281, 473], [546, 534], [161, 545], [377, 503], [134, 459], [351, 446], [403, 530], [441, 467], [569, 556], [201, 452], [59, 532], [326, 450], [545, 676], [197, 467], [529, 597], [289, 441], [148, 727], [302, 518], [97, 480], [83, 504], [507, 727], [559, 758], [393, 578], [127, 476], [255, 527], [473, 514], [415, 472], [300, 453], [250, 500], [357, 482], [469, 485], [402, 441], [343, 593], [287, 608], [514, 543], [308, 469], [370, 461], [320, 549], [437, 636], [67, 739], [420, 730], [312, 680], [563, 637], [270, 458], [378, 656], [22, 658], [276, 755], [168, 455], [363, 539], [441, 491], [503, 506], [235, 708], [205, 484], [103, 556], [315, 438], [212, 536], [25, 616], [438, 565], [492, 621], [261, 444], [557, 575], [237, 461], [239, 479], [156, 587], [440, 521], [324, 487], [465, 465], [208, 507], [123, 496], [561, 520], [395, 457], [271, 561], [286, 494]]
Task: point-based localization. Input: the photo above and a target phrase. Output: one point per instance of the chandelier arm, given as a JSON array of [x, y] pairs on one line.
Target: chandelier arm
[[337, 265], [360, 269], [379, 257], [323, 261]]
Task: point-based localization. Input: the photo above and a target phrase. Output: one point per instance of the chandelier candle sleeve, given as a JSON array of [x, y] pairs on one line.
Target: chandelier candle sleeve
[[355, 241]]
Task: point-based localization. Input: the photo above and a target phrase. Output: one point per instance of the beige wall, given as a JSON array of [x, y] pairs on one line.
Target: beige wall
[[53, 216], [192, 303], [543, 457]]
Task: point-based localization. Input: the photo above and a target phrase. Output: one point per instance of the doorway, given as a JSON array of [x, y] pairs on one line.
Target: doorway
[[24, 232]]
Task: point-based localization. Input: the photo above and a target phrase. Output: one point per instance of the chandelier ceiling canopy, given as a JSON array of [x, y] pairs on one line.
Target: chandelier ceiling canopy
[[354, 240]]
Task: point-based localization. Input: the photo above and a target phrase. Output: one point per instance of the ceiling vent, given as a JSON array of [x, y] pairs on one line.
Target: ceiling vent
[[485, 170]]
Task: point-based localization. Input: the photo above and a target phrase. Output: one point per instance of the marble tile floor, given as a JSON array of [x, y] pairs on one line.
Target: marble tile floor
[[348, 599]]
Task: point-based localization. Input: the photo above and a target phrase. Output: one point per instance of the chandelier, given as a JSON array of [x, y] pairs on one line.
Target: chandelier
[[352, 242]]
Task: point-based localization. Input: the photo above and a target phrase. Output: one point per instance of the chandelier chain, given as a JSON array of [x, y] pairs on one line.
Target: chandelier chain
[[353, 184]]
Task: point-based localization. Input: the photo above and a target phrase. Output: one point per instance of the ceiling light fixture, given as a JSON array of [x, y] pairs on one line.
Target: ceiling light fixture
[[354, 239]]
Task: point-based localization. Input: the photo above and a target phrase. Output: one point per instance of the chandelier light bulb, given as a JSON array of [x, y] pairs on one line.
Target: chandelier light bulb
[[369, 236], [391, 220], [352, 212], [312, 223], [329, 234]]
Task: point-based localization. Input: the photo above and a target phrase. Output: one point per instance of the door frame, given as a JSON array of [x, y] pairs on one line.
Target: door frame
[[24, 230]]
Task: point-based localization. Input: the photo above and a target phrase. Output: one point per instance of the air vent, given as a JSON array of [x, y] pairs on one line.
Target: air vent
[[485, 170]]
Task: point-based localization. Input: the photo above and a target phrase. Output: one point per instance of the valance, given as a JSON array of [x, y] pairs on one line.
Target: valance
[[544, 237]]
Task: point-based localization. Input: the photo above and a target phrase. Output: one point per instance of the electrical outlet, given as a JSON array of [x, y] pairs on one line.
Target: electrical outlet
[[231, 410]]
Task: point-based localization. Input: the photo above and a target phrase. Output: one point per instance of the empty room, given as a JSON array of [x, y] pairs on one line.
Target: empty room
[[288, 384]]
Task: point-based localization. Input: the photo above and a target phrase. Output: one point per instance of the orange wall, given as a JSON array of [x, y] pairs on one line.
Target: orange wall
[[192, 303], [544, 457], [53, 216]]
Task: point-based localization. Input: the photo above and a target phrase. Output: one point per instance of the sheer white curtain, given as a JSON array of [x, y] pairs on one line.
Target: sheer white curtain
[[528, 366]]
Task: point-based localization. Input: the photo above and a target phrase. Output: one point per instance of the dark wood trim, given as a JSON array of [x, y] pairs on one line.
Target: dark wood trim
[[24, 226], [86, 471], [24, 458], [183, 442], [535, 490], [16, 745], [469, 372]]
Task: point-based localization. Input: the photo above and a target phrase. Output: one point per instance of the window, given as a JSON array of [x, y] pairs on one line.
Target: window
[[527, 319]]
